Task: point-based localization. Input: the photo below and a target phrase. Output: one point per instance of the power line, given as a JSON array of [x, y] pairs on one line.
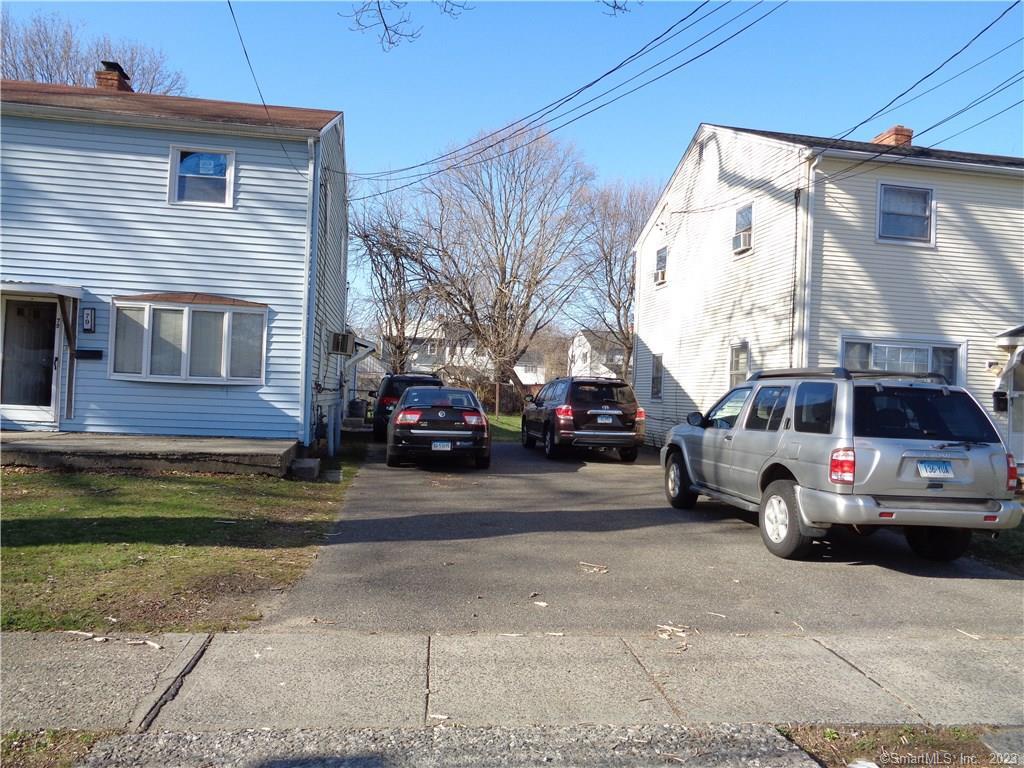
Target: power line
[[260, 90], [980, 122], [587, 113], [651, 45]]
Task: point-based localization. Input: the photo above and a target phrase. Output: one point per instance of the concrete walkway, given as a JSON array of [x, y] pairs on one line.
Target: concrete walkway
[[348, 680]]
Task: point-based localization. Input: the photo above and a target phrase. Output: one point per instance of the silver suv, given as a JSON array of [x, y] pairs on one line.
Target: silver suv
[[809, 449]]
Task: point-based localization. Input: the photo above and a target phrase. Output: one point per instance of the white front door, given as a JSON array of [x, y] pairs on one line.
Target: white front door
[[29, 371]]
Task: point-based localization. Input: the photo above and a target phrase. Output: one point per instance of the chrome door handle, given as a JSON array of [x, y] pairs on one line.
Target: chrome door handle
[[728, 437]]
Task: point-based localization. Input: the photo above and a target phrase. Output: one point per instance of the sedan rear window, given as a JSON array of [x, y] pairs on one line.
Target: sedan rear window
[[440, 398], [586, 393], [919, 414]]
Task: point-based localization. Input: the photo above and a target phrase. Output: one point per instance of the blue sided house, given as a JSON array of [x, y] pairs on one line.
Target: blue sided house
[[170, 265]]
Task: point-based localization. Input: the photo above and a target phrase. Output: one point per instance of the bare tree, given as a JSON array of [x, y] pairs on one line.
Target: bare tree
[[617, 214], [502, 233], [392, 22], [401, 302], [48, 48]]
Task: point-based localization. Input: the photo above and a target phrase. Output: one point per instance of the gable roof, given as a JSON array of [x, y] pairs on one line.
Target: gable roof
[[923, 153], [128, 104], [599, 338]]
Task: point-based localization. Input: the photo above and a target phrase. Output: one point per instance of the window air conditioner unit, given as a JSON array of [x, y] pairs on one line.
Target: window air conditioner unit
[[741, 242], [343, 343], [659, 276]]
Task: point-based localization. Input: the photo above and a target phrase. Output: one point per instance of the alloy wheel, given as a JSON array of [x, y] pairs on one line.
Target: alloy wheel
[[776, 519]]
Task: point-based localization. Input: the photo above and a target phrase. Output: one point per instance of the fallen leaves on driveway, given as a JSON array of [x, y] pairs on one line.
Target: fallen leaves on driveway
[[593, 567]]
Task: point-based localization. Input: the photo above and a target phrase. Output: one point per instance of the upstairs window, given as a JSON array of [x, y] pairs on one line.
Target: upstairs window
[[660, 263], [742, 238], [905, 213], [202, 176]]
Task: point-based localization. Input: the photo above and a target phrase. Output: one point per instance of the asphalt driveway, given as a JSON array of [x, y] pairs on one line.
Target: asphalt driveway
[[440, 548]]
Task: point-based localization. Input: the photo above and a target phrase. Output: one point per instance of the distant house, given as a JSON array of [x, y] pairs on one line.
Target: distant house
[[776, 250], [596, 353], [531, 371], [171, 266]]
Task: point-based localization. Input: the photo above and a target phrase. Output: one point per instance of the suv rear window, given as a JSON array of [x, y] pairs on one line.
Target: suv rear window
[[588, 392], [919, 414], [396, 387]]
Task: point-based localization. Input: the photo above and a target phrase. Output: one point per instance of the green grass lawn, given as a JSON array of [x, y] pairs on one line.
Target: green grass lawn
[[47, 748], [154, 552], [1006, 552], [505, 428]]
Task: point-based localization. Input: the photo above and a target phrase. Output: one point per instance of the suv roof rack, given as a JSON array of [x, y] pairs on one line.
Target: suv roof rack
[[842, 373], [801, 373]]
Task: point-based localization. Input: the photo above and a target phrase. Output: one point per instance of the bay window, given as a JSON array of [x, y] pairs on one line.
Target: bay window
[[200, 344]]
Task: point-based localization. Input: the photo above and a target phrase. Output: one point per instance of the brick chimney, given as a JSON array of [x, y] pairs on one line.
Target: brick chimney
[[896, 136], [112, 77]]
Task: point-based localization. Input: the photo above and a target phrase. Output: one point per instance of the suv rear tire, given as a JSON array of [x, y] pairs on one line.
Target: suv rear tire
[[939, 544], [779, 521], [528, 440], [551, 450], [677, 483]]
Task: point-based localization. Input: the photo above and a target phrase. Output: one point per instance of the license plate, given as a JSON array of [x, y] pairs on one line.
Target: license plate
[[934, 469], [604, 419], [441, 445]]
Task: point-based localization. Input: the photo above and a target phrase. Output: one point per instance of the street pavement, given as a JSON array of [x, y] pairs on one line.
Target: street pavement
[[545, 613]]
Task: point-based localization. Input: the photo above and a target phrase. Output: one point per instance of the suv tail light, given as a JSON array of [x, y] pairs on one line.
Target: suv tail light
[[1011, 473], [564, 411], [641, 414], [842, 465], [408, 416], [474, 419], [388, 400]]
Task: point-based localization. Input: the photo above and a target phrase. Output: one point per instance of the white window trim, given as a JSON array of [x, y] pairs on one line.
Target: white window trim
[[172, 176], [660, 282], [932, 220], [961, 346], [186, 333], [737, 209], [736, 344]]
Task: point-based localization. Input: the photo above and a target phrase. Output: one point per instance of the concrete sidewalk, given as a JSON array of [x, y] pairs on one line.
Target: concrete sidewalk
[[351, 681]]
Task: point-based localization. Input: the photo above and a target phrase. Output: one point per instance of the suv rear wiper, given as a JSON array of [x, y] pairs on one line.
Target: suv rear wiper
[[968, 444]]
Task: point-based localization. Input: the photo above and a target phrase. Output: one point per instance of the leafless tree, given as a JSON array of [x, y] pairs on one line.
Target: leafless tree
[[402, 307], [502, 234], [393, 22], [617, 213], [48, 48]]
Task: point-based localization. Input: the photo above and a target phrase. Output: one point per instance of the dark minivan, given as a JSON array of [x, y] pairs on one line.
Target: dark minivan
[[392, 387], [584, 412]]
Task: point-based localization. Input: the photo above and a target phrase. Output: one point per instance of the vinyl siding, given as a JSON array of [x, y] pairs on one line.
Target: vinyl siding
[[331, 275], [86, 205], [712, 297], [965, 289]]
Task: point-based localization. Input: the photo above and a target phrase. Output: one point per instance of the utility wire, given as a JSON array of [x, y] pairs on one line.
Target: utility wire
[[651, 45], [980, 122], [260, 90], [585, 114]]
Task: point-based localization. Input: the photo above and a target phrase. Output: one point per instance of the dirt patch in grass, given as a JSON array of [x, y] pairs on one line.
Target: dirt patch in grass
[[838, 746], [46, 749], [156, 552]]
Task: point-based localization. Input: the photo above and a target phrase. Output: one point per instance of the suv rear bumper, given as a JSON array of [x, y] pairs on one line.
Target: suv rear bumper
[[818, 508], [586, 438]]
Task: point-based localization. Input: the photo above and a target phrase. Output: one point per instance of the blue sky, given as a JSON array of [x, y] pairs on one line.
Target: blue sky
[[814, 68]]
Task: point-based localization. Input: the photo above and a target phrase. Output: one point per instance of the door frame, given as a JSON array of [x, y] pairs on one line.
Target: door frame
[[36, 414]]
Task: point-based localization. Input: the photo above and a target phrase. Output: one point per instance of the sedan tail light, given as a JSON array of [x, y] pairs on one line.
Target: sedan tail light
[[842, 466], [474, 419], [408, 416], [641, 414], [1011, 473], [564, 411]]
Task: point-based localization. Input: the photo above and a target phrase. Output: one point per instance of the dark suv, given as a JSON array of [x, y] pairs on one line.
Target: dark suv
[[391, 388], [584, 412]]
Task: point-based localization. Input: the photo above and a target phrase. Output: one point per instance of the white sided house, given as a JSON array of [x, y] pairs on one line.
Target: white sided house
[[171, 266], [775, 250], [596, 353]]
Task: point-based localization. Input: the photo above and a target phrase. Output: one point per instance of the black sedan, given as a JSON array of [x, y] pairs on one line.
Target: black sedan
[[439, 422]]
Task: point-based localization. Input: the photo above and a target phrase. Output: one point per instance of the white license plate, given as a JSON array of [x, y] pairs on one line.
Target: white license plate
[[441, 445], [604, 419], [935, 469]]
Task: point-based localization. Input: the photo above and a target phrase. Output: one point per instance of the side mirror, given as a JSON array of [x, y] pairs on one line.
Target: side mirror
[[373, 393], [695, 419], [528, 398]]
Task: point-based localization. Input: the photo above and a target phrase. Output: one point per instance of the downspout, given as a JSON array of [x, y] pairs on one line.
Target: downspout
[[802, 360], [309, 296]]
